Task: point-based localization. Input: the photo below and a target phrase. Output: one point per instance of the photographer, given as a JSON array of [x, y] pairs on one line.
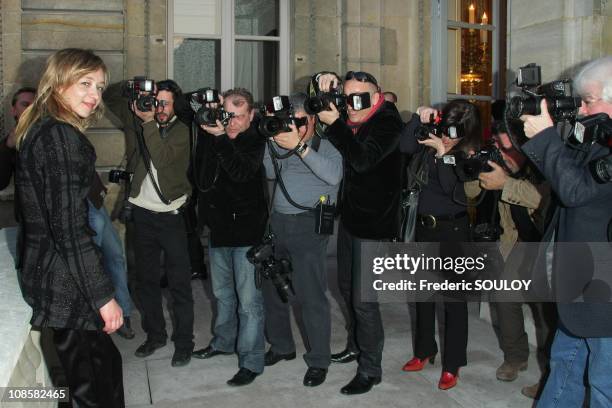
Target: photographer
[[522, 203], [312, 172], [442, 217], [229, 174], [583, 340], [157, 146], [369, 209]]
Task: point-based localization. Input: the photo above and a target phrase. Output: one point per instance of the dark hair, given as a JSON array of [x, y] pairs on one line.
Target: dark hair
[[170, 86], [361, 76], [236, 94], [460, 111], [25, 89]]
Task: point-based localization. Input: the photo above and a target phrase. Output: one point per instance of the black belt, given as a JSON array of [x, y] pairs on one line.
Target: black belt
[[178, 211], [431, 221]]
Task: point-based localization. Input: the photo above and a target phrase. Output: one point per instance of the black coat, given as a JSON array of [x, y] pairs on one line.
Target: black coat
[[370, 192], [583, 214], [62, 277], [231, 174]]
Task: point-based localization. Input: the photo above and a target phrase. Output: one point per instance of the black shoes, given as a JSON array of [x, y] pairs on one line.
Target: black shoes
[[198, 275], [181, 358], [244, 376], [209, 352], [315, 376], [360, 384], [272, 358], [125, 330], [148, 347], [345, 356]]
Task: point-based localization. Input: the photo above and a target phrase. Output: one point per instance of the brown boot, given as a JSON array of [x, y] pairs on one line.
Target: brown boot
[[532, 391], [509, 371]]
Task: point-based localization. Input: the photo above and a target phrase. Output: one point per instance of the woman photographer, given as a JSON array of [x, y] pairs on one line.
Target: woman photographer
[[62, 277], [442, 217]]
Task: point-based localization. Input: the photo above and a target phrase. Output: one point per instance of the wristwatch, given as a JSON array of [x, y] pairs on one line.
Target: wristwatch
[[301, 148]]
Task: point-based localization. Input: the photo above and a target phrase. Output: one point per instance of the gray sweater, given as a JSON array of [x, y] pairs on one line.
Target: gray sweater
[[318, 174]]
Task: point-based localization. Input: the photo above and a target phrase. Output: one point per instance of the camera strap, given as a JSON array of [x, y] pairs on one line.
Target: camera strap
[[279, 180], [146, 158], [195, 129]]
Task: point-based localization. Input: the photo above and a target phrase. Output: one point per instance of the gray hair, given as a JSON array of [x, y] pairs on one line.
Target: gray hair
[[599, 70], [297, 101]]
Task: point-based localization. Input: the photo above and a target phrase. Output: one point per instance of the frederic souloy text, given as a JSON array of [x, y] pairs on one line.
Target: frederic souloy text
[[411, 264]]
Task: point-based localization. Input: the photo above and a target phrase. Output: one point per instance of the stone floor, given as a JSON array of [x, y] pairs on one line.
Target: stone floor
[[153, 382]]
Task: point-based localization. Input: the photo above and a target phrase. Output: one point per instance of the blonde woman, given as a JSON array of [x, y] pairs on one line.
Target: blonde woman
[[61, 273]]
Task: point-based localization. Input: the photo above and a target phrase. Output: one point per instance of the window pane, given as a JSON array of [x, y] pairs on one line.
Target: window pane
[[256, 68], [197, 63], [257, 17], [470, 11], [469, 62], [197, 17]]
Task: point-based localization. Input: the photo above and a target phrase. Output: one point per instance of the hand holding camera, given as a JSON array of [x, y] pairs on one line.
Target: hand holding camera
[[494, 179], [425, 113], [534, 124]]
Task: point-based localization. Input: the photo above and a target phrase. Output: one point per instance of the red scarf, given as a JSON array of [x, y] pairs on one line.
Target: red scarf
[[356, 125]]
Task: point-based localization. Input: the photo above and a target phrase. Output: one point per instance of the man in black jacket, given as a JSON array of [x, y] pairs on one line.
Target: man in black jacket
[[229, 175], [583, 341], [368, 141]]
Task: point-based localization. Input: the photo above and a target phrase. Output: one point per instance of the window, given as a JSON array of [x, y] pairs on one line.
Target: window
[[466, 54], [230, 43]]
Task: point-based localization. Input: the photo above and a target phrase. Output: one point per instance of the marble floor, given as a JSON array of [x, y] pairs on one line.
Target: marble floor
[[153, 382]]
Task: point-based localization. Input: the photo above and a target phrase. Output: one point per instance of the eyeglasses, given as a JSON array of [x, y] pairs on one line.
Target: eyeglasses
[[361, 77]]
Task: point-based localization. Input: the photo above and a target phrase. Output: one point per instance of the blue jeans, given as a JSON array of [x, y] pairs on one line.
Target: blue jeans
[[112, 254], [569, 358], [239, 324]]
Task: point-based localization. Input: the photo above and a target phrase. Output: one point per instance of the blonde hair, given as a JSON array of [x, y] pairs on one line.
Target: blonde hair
[[63, 69]]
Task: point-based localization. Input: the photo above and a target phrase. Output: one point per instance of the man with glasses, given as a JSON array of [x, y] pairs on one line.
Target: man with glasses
[[229, 174], [367, 137], [157, 147]]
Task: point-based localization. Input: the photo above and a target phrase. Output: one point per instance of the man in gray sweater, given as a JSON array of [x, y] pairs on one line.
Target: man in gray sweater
[[313, 171]]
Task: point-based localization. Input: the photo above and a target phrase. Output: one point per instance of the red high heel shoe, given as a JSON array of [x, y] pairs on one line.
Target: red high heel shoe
[[417, 364], [448, 380]]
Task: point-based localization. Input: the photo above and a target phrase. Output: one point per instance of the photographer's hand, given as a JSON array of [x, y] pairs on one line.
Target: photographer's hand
[[495, 179], [425, 112], [329, 116], [214, 130], [535, 124], [434, 142], [144, 116], [327, 81], [288, 140]]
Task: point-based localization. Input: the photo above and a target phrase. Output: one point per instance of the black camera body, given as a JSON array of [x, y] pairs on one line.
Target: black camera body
[[136, 89], [558, 94], [210, 116], [436, 127], [268, 267], [117, 176], [283, 116], [322, 101], [205, 95], [469, 168], [596, 128]]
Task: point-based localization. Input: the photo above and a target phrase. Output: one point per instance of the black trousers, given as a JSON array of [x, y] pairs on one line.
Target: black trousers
[[154, 233], [364, 324], [455, 313], [92, 365], [307, 251]]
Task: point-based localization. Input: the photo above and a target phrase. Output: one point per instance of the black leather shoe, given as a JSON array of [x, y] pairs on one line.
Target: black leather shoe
[[181, 358], [272, 358], [315, 376], [148, 347], [209, 352], [244, 376], [360, 384], [345, 356]]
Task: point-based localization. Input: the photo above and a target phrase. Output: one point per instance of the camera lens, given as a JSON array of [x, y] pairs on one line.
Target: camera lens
[[314, 105], [272, 125]]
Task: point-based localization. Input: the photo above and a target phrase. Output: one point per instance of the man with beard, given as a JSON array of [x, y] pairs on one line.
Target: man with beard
[[157, 147]]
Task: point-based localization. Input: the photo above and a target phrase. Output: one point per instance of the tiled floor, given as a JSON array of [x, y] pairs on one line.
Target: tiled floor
[[152, 381]]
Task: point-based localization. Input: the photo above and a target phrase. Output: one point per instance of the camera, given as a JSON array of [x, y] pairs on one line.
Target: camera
[[359, 101], [116, 176], [283, 116], [205, 95], [596, 128], [468, 168], [321, 101], [436, 127], [210, 116], [136, 88], [558, 94], [268, 267]]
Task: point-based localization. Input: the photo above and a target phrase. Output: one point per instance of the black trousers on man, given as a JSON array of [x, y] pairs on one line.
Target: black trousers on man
[[297, 241], [154, 233], [92, 365], [364, 323]]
